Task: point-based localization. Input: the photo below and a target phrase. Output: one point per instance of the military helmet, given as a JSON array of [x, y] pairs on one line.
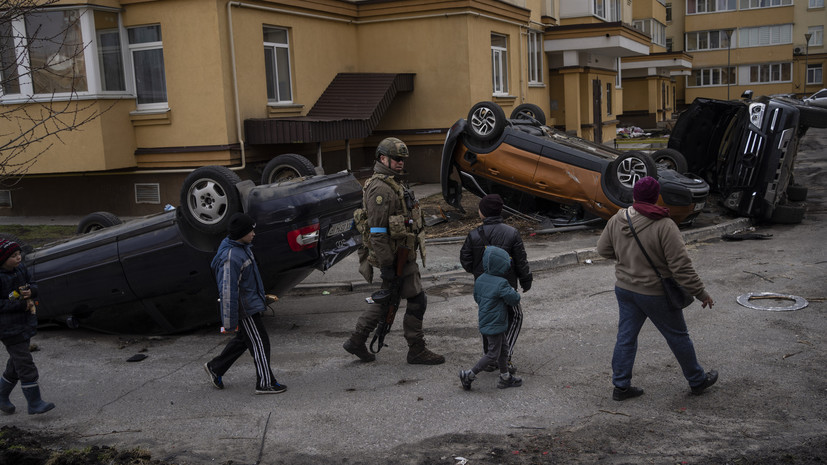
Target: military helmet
[[392, 147]]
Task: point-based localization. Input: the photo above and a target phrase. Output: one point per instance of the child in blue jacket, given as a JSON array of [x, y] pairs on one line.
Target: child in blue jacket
[[493, 294]]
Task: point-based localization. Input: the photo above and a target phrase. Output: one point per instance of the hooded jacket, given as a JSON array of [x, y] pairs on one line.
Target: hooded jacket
[[664, 244], [240, 288], [493, 293], [16, 323]]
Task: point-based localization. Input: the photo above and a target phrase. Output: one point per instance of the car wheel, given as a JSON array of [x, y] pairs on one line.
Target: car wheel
[[671, 159], [486, 122], [631, 166], [96, 221], [209, 198], [530, 112], [788, 214], [796, 193], [286, 167], [813, 117]]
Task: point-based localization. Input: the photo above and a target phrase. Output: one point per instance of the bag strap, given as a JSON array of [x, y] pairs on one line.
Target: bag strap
[[629, 219], [481, 232]]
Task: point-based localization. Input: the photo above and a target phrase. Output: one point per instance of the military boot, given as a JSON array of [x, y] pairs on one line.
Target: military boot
[[5, 389], [418, 354], [356, 346]]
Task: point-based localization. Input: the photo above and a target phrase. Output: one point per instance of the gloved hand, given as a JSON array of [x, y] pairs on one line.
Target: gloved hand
[[387, 273], [525, 283]]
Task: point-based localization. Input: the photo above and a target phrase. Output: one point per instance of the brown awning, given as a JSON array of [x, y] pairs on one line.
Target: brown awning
[[350, 108]]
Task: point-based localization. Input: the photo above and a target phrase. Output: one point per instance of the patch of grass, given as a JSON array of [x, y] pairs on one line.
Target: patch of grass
[[38, 235]]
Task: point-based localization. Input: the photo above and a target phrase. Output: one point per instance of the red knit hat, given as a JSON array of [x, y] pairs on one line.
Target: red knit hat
[[7, 248], [646, 190]]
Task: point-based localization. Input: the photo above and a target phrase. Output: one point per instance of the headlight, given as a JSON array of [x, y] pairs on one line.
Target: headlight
[[756, 114], [733, 200]]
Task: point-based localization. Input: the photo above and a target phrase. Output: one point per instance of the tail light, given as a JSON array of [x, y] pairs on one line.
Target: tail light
[[303, 238]]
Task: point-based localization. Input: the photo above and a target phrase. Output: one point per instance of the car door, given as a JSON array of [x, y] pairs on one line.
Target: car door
[[513, 162]]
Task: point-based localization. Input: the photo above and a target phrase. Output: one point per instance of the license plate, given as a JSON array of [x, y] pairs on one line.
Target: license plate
[[340, 227], [699, 206]]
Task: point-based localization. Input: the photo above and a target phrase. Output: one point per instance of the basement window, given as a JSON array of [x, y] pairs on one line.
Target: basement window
[[5, 199], [147, 193]]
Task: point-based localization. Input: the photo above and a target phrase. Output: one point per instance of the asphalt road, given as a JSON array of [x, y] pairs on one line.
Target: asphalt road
[[770, 396]]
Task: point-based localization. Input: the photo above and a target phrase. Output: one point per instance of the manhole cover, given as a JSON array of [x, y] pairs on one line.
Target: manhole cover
[[772, 301], [451, 289]]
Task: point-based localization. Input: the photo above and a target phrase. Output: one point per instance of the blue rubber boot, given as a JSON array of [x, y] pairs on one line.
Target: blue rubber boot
[[5, 389], [36, 404]]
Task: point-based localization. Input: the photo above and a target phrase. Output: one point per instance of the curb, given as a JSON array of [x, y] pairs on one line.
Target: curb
[[559, 260]]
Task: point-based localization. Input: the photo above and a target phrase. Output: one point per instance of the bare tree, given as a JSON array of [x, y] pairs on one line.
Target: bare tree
[[41, 72]]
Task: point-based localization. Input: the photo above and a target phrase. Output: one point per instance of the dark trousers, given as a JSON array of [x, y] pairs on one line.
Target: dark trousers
[[251, 336], [21, 364], [497, 353], [515, 323]]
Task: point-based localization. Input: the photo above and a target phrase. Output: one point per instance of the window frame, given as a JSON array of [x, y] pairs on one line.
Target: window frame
[[816, 37], [535, 57], [272, 49], [499, 65], [815, 4], [710, 74], [758, 4], [817, 73], [695, 45], [710, 6], [770, 69], [145, 47], [784, 33]]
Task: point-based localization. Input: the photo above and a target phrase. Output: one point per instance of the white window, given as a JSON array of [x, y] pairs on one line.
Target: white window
[[60, 54], [816, 36], [709, 6], [816, 4], [147, 51], [668, 12], [770, 73], [711, 77], [749, 4], [707, 40], [535, 57], [608, 10], [653, 28], [499, 63], [765, 35], [814, 73], [277, 65]]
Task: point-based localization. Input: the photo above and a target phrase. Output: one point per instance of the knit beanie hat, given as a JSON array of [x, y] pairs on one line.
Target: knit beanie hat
[[7, 248], [240, 225], [491, 205], [646, 190]]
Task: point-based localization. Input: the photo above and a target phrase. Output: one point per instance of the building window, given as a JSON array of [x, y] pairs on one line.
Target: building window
[[750, 4], [499, 63], [5, 199], [707, 40], [653, 28], [814, 73], [668, 44], [816, 4], [711, 77], [816, 36], [9, 75], [709, 6], [110, 53], [765, 35], [607, 10], [668, 12], [147, 51], [277, 65], [608, 99], [770, 73], [56, 52], [535, 57]]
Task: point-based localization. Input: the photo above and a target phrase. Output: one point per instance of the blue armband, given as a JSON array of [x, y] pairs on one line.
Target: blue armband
[[379, 230]]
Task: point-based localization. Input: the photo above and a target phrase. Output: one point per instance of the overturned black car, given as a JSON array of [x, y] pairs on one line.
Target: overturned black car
[[152, 275], [746, 151]]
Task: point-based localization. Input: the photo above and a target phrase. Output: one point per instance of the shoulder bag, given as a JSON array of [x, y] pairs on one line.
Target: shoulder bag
[[676, 295]]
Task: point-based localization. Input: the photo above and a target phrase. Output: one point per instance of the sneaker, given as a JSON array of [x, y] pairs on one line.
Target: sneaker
[[274, 388], [711, 378], [512, 381], [466, 379], [214, 378], [359, 350], [511, 368], [628, 393]]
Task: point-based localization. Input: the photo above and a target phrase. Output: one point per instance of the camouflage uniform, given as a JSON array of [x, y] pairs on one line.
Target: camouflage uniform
[[392, 219]]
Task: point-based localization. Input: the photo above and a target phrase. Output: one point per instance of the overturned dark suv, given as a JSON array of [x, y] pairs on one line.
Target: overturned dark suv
[[746, 151]]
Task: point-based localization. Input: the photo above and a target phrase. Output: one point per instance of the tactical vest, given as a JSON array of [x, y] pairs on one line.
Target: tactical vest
[[407, 229]]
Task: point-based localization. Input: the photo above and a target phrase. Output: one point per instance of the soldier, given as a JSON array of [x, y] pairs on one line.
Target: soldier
[[391, 219]]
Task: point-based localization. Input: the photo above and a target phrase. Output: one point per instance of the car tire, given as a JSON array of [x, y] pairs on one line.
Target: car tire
[[529, 112], [631, 166], [813, 117], [486, 122], [209, 198], [96, 221], [788, 214], [671, 159], [286, 167], [796, 193]]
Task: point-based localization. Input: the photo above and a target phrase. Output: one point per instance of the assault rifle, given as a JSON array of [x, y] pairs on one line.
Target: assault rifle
[[389, 298]]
